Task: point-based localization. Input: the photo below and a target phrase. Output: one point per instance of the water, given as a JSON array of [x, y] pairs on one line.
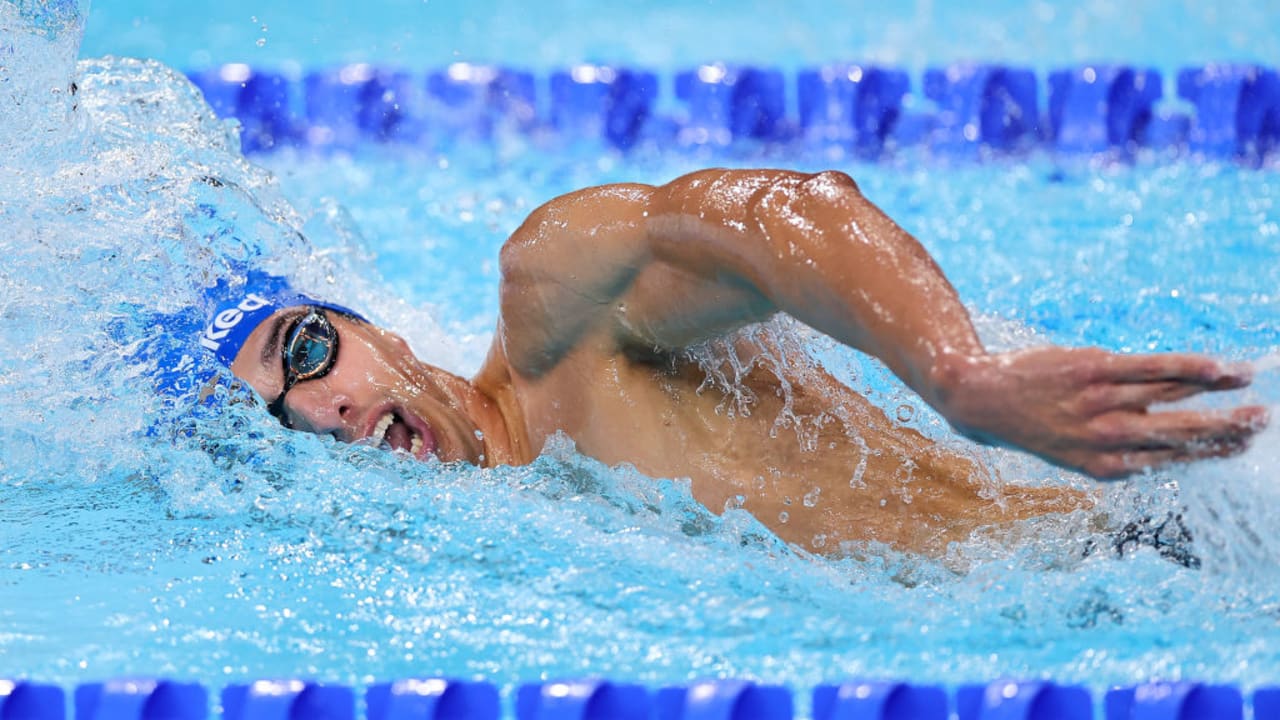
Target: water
[[138, 535], [413, 33]]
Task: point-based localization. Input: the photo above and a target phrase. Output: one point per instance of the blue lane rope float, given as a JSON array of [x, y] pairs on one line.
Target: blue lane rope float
[[1229, 111], [415, 699], [1179, 700], [983, 105], [279, 700], [1094, 108], [1008, 700], [596, 699], [879, 700], [140, 698], [582, 700], [852, 105], [1237, 108], [30, 700]]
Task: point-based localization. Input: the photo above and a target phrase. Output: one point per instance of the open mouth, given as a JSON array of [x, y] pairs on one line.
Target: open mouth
[[392, 433]]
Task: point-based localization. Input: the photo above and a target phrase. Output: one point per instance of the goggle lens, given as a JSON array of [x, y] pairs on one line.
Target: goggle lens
[[311, 349], [309, 353]]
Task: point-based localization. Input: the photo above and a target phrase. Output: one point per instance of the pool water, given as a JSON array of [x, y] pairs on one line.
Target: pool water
[[140, 535], [669, 34]]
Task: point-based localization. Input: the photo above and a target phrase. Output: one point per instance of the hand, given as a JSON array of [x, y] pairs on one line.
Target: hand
[[1090, 410]]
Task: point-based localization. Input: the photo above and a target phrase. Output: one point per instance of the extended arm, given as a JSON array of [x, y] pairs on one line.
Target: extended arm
[[635, 266]]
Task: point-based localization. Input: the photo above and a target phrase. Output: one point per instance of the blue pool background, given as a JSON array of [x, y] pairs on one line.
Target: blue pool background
[[269, 553], [668, 35]]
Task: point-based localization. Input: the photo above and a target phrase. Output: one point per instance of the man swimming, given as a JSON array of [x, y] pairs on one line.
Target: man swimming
[[604, 291]]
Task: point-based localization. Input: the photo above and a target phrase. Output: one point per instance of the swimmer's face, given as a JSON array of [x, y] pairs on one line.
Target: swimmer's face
[[373, 391]]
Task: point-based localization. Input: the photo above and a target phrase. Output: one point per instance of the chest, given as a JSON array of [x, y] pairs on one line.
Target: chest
[[666, 421]]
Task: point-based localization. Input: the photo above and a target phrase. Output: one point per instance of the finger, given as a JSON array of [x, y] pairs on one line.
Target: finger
[[1117, 465], [1198, 369], [1176, 429], [1098, 399]]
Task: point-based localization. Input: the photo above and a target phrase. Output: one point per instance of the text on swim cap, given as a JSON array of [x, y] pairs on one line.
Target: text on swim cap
[[224, 321]]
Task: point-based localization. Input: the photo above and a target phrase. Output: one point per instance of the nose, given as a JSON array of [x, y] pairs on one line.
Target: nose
[[314, 406]]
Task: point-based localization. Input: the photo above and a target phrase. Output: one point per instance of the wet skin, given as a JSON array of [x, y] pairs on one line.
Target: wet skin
[[603, 290]]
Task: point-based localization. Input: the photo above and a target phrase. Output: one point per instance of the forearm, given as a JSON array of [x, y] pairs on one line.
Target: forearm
[[818, 250]]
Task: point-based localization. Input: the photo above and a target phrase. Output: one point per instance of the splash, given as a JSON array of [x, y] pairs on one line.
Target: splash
[[1234, 504], [127, 201], [1267, 363], [39, 40]]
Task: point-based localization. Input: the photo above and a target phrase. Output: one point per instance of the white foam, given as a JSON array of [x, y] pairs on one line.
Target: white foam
[[1267, 363], [1233, 508]]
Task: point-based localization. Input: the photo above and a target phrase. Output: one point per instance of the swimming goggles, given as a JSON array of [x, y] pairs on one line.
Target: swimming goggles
[[309, 352]]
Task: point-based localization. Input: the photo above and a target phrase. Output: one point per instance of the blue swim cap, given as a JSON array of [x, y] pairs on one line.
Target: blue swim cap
[[239, 308], [182, 349]]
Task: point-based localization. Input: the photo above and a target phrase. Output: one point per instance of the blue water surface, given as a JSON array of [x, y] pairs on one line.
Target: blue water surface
[[140, 534], [667, 34]]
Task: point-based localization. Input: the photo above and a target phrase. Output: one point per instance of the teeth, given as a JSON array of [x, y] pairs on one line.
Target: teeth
[[379, 433], [378, 436]]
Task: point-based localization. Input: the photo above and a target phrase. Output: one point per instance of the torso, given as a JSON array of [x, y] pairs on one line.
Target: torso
[[848, 475]]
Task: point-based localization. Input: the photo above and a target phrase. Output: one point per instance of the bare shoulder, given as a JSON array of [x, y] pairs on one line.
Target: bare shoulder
[[573, 215], [616, 267], [563, 269], [584, 213]]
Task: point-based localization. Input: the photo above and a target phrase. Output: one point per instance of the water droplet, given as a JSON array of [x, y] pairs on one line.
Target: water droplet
[[783, 516], [905, 413], [811, 497], [262, 42], [856, 482]]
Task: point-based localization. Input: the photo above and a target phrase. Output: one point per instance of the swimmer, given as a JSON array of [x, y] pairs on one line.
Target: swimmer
[[604, 290]]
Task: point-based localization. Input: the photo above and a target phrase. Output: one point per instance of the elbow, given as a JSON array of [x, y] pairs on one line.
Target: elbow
[[831, 184], [820, 202], [819, 197]]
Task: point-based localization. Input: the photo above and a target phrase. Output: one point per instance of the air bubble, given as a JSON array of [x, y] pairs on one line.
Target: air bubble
[[905, 413], [811, 497]]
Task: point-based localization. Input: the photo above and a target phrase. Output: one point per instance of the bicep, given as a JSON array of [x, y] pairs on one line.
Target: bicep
[[671, 306]]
